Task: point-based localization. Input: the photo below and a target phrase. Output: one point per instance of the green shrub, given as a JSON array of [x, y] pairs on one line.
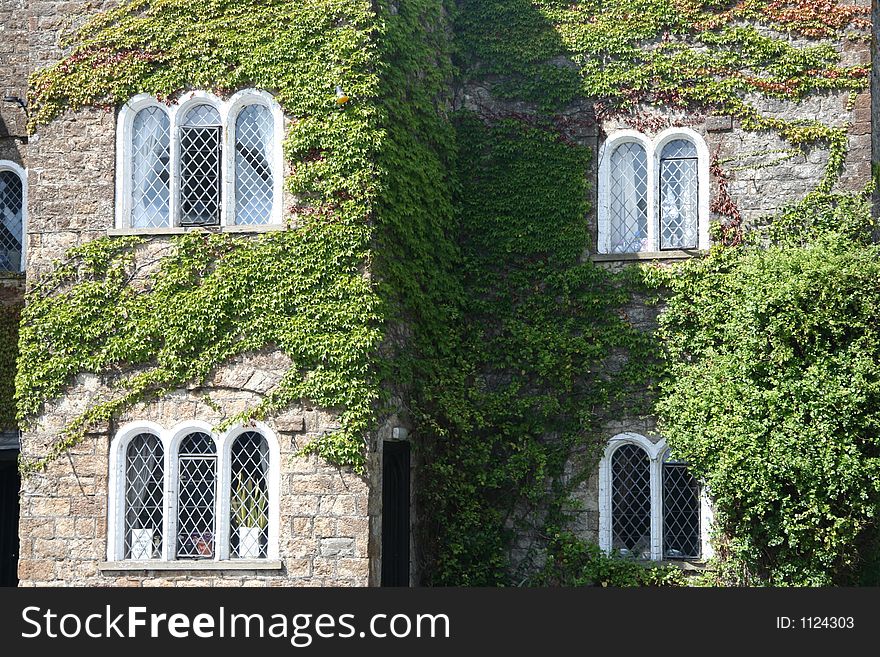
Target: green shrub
[[773, 397]]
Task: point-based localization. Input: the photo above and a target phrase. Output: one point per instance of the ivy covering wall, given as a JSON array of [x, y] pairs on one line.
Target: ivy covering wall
[[437, 255]]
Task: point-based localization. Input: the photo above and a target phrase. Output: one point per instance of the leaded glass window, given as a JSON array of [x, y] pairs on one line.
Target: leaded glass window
[[628, 199], [678, 195], [249, 506], [144, 497], [196, 493], [631, 501], [681, 512], [201, 155], [150, 195], [254, 178], [11, 220]]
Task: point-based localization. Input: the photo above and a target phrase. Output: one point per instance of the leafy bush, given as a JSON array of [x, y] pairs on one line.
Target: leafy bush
[[773, 396], [571, 562]]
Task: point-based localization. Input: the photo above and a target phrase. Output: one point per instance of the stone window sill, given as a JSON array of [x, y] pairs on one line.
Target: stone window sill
[[180, 230], [648, 255], [232, 564]]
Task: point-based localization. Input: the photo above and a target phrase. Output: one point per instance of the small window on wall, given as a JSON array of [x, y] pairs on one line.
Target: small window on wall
[[631, 501], [628, 198], [13, 207], [196, 495], [650, 505], [653, 194], [202, 161], [681, 511], [144, 497], [249, 508], [201, 153], [187, 494]]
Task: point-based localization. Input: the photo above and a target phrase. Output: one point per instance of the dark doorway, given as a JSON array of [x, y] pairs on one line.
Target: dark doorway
[[9, 486], [395, 514]]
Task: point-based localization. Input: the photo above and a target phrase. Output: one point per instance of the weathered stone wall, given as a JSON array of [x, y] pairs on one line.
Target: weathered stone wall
[[324, 536], [325, 512]]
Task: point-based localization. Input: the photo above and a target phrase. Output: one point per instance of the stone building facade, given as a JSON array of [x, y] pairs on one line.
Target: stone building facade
[[328, 521]]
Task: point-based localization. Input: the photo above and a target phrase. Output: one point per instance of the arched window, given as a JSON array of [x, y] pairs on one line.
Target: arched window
[[150, 173], [681, 511], [12, 214], [628, 198], [678, 195], [144, 497], [185, 494], [653, 194], [200, 162], [254, 176], [249, 506], [631, 501], [650, 505], [196, 496], [201, 156]]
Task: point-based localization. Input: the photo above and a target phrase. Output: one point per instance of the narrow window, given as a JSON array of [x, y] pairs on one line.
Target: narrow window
[[150, 137], [254, 179], [395, 513], [678, 195], [681, 512], [249, 498], [144, 497], [200, 163], [631, 501], [11, 216], [628, 199], [196, 492]]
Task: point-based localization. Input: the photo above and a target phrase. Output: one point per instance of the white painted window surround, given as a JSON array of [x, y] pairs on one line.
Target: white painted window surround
[[656, 453], [229, 112], [13, 222], [170, 440], [653, 149]]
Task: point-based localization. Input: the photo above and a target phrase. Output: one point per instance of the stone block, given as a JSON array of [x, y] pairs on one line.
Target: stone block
[[337, 547]]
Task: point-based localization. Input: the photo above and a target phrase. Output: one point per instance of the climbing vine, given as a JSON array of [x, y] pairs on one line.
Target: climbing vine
[[435, 254]]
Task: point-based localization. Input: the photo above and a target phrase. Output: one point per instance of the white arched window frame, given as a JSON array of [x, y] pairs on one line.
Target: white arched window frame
[[228, 110], [656, 452], [18, 170], [171, 440], [653, 148]]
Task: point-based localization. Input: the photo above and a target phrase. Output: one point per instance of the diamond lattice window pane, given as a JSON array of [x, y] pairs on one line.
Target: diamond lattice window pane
[[150, 136], [631, 501], [678, 196], [11, 216], [628, 199], [200, 167], [249, 498], [144, 497], [196, 486], [681, 513], [254, 179]]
